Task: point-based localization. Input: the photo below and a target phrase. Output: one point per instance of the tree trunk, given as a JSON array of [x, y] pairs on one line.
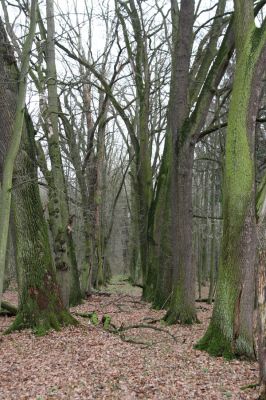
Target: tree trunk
[[261, 228], [14, 129], [65, 258], [213, 242], [182, 307], [162, 252], [40, 304], [262, 305], [230, 331]]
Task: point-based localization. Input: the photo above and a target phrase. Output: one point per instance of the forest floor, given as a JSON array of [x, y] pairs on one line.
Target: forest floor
[[87, 362]]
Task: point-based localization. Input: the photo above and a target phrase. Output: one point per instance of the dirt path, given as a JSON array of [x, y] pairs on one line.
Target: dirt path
[[89, 363]]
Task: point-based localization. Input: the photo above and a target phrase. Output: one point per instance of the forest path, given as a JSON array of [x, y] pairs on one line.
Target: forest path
[[87, 362]]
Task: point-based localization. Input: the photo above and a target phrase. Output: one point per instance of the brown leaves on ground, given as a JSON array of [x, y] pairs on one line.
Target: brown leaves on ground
[[87, 362]]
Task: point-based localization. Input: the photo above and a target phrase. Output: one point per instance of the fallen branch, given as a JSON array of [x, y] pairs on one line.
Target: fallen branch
[[145, 326]]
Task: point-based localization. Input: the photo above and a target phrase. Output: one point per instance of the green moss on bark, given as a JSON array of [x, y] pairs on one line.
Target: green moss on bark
[[230, 333], [43, 323], [219, 343], [215, 343]]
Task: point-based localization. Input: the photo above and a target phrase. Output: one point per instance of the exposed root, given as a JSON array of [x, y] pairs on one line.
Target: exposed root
[[44, 323]]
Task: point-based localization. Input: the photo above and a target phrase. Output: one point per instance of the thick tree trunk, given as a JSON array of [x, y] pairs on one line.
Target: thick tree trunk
[[261, 279], [231, 328], [40, 304], [262, 306], [65, 258], [182, 307], [14, 130]]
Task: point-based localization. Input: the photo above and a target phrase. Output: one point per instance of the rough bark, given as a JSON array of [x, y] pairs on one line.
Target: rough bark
[[230, 331], [182, 306], [262, 305], [65, 258], [16, 128], [261, 229], [40, 305]]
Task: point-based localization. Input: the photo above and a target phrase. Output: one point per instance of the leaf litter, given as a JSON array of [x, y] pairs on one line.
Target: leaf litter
[[87, 362]]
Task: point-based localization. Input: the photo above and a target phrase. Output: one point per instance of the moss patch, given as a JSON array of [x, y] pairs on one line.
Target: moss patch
[[45, 322], [215, 343]]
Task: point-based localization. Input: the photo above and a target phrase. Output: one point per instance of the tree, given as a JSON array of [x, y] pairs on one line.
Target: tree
[[261, 229], [174, 190], [65, 257], [13, 146], [40, 304], [231, 328], [182, 305]]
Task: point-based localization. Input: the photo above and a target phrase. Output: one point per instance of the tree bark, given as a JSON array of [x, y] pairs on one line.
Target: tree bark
[[230, 331], [182, 306], [16, 128], [40, 304], [65, 258]]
